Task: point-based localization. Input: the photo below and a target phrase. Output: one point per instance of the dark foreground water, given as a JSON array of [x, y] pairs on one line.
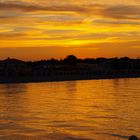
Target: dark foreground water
[[74, 110]]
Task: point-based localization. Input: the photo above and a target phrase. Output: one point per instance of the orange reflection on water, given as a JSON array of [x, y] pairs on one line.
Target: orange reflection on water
[[93, 109]]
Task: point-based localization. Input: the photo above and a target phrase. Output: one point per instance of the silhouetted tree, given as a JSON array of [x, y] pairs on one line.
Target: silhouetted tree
[[100, 60], [89, 60], [125, 62], [114, 63], [53, 61], [70, 60]]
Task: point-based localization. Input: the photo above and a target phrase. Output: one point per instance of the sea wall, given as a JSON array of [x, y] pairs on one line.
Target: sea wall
[[20, 79]]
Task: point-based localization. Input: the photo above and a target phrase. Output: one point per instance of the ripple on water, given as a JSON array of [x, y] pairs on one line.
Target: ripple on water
[[74, 110]]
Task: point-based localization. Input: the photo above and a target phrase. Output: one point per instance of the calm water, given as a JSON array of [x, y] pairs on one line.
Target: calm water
[[74, 110]]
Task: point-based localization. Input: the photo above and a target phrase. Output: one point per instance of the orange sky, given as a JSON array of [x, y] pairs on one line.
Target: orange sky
[[40, 29]]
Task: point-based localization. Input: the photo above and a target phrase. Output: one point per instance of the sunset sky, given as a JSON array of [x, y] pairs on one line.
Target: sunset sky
[[41, 29]]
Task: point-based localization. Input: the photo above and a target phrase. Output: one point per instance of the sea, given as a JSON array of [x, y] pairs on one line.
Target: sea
[[106, 109]]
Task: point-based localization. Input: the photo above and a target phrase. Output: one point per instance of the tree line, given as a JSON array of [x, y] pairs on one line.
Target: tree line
[[115, 63]]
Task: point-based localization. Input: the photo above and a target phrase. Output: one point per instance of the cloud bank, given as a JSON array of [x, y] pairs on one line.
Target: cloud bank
[[71, 24]]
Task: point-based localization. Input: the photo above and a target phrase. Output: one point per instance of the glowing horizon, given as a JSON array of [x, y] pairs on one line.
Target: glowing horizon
[[42, 29]]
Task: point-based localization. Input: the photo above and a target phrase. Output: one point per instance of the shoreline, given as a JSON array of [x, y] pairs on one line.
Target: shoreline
[[4, 80]]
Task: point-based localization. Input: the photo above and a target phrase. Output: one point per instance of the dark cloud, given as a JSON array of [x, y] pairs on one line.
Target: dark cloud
[[11, 36], [123, 12], [26, 7], [117, 12], [8, 15]]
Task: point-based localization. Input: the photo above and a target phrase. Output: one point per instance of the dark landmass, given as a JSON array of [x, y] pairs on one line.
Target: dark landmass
[[69, 68]]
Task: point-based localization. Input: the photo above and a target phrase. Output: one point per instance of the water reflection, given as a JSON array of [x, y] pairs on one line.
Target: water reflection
[[12, 88], [71, 86], [116, 83], [12, 101], [91, 109]]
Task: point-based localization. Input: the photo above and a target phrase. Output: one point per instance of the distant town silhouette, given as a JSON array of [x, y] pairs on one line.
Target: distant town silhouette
[[69, 68]]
